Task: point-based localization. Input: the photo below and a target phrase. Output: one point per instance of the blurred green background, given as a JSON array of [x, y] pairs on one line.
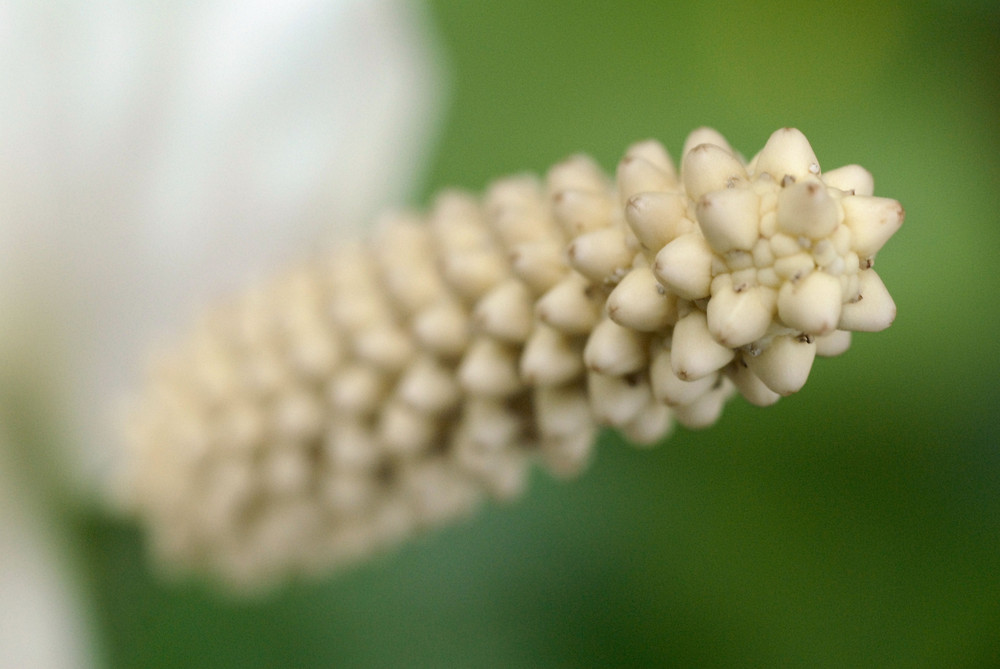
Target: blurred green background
[[856, 524]]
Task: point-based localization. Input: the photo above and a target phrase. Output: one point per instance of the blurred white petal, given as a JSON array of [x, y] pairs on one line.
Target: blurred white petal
[[154, 155], [42, 621]]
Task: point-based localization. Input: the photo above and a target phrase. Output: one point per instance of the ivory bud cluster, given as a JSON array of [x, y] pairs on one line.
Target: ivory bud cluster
[[395, 383]]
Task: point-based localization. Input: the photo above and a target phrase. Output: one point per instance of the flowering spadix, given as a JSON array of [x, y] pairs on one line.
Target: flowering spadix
[[534, 317]]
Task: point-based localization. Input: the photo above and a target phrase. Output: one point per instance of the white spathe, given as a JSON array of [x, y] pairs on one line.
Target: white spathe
[[155, 156]]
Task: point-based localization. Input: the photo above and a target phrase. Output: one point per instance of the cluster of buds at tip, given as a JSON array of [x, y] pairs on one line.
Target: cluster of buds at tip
[[395, 383]]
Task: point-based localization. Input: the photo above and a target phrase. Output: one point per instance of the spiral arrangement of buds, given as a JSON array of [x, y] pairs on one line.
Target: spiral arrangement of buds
[[395, 383]]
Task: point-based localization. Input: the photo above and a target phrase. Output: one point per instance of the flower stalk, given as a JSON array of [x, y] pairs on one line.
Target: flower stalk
[[393, 384]]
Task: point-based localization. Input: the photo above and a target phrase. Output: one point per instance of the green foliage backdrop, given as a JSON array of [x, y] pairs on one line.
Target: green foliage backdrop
[[854, 524]]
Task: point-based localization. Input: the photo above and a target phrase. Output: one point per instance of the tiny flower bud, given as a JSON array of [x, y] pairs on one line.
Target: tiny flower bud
[[705, 135], [489, 368], [852, 179], [568, 306], [833, 344], [651, 426], [873, 311], [443, 328], [562, 410], [806, 208], [872, 220], [567, 456], [538, 264], [551, 358], [506, 312], [787, 153], [685, 266], [617, 400], [581, 211], [811, 305], [428, 386], [356, 389], [657, 218], [640, 302], [386, 346], [705, 411], [601, 255], [694, 352], [403, 430], [472, 273], [784, 365], [615, 350], [669, 388], [653, 151], [707, 168], [729, 218], [578, 172], [638, 175], [749, 384], [738, 317]]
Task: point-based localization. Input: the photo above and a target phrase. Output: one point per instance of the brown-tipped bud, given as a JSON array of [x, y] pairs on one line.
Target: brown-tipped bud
[[669, 388], [738, 315], [694, 351], [874, 309], [707, 168], [642, 303], [787, 153], [811, 305], [657, 218], [784, 365], [602, 255], [872, 220], [852, 179], [807, 209], [684, 266], [729, 219]]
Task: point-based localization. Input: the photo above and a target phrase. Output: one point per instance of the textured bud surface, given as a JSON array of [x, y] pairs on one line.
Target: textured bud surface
[[392, 385]]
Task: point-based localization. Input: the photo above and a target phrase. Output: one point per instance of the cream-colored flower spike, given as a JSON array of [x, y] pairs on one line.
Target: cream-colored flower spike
[[394, 384]]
